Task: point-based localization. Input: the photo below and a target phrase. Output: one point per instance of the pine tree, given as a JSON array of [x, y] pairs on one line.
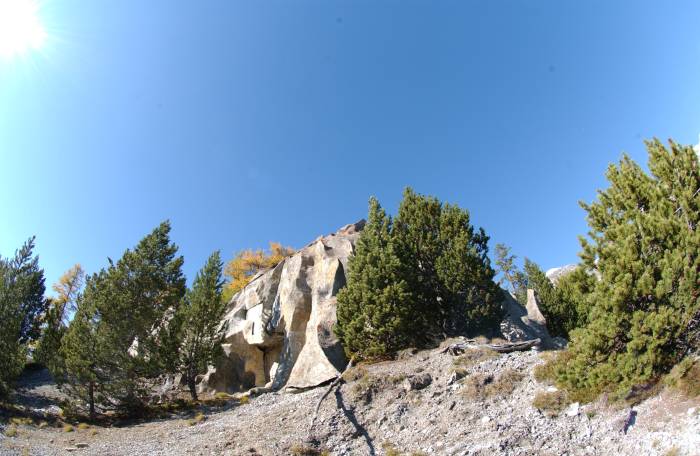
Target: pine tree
[[79, 346], [445, 264], [375, 310], [22, 304], [138, 296], [505, 262], [199, 323], [56, 319], [645, 243], [121, 345], [423, 276]]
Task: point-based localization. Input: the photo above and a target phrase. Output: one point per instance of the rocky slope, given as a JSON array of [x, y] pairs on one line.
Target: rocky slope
[[413, 405]]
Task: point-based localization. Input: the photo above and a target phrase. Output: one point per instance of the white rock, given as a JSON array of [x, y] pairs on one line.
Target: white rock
[[573, 409], [485, 419]]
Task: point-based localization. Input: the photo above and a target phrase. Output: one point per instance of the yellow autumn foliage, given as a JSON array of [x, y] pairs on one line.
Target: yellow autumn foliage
[[243, 267]]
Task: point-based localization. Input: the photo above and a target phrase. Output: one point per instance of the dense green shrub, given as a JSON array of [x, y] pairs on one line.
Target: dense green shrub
[[644, 241], [421, 277]]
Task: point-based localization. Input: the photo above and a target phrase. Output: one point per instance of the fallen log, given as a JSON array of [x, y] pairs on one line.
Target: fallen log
[[470, 344], [333, 384]]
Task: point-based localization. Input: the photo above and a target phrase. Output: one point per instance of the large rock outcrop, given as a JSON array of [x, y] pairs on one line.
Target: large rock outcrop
[[280, 326], [522, 323]]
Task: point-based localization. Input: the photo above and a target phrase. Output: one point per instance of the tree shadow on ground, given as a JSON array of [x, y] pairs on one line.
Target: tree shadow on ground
[[350, 415]]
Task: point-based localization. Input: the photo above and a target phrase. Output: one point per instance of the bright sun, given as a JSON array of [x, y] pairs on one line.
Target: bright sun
[[20, 27]]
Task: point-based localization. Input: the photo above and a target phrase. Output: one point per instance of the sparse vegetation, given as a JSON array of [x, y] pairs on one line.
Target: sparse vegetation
[[306, 450], [11, 431], [365, 387], [685, 377], [198, 418], [673, 451], [390, 449], [68, 428], [474, 356], [551, 403], [480, 386]]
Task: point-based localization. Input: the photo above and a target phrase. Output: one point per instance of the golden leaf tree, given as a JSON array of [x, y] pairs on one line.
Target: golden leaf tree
[[243, 267]]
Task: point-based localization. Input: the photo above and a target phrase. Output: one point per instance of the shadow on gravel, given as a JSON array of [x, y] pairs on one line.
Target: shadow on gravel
[[350, 415]]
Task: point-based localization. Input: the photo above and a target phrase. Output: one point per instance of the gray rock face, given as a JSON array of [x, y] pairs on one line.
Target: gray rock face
[[280, 326], [555, 274], [524, 323]]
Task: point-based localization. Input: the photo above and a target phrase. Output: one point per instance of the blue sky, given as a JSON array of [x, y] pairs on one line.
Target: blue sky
[[244, 122]]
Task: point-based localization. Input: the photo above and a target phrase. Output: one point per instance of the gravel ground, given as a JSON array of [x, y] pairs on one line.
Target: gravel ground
[[409, 406]]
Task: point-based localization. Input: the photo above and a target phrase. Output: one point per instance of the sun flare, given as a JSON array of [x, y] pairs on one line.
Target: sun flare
[[20, 27]]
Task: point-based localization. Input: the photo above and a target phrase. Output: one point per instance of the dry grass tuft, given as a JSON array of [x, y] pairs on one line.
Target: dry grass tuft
[[243, 400], [11, 431], [673, 451], [305, 450], [355, 373], [68, 428], [482, 386], [364, 387], [685, 377], [550, 403], [19, 421], [390, 449], [473, 357], [83, 426], [198, 418]]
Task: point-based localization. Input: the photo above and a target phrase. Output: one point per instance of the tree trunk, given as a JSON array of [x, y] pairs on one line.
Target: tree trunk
[[192, 386], [91, 399]]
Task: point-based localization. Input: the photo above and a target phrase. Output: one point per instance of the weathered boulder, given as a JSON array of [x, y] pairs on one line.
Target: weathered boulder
[[524, 323], [280, 326]]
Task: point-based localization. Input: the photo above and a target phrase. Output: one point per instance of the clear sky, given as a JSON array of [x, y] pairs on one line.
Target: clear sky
[[249, 121]]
